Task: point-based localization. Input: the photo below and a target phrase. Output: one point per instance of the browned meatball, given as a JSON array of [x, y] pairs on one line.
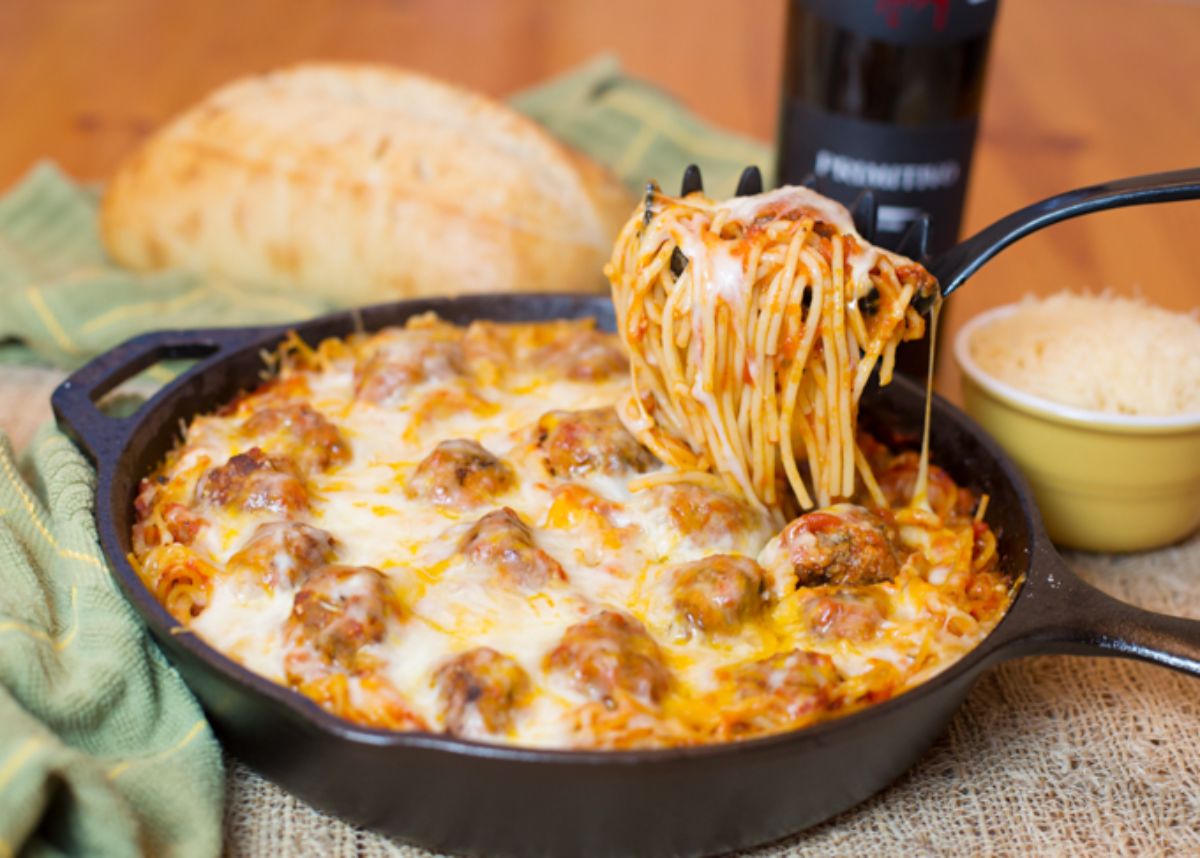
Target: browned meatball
[[489, 349], [785, 690], [568, 348], [283, 552], [338, 611], [583, 355], [898, 481], [574, 443], [460, 473], [718, 593], [987, 590], [303, 433], [703, 515], [843, 544], [480, 686], [254, 481], [397, 365], [609, 656], [792, 674], [843, 616], [502, 542]]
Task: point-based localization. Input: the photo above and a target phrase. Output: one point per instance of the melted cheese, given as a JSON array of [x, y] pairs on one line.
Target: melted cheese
[[618, 549]]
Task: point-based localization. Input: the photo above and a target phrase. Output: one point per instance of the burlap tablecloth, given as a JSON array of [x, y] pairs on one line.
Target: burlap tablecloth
[[1049, 756]]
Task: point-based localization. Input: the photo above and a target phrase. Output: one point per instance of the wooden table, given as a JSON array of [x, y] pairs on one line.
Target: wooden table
[[1079, 91]]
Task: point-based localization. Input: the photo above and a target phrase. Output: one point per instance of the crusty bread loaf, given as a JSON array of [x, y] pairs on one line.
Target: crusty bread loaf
[[364, 183]]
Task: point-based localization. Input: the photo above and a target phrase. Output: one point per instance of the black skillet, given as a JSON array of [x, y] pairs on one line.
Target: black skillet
[[446, 793], [464, 796]]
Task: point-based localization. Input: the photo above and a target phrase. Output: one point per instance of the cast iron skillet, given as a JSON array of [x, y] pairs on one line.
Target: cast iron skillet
[[463, 796]]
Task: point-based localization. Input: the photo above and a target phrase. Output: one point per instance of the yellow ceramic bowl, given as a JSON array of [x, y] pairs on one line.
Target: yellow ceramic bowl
[[1104, 482]]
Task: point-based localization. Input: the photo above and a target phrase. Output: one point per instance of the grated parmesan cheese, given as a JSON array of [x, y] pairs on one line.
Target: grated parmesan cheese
[[1097, 352]]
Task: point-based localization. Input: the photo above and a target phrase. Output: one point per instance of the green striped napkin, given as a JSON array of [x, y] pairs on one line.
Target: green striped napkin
[[638, 130], [102, 749], [63, 301]]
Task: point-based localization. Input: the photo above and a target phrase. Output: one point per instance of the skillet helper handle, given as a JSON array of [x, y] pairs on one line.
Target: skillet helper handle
[[1066, 615], [961, 261], [101, 435]]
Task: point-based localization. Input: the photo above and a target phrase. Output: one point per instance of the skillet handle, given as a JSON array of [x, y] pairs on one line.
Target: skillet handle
[[1060, 613], [102, 436], [961, 261]]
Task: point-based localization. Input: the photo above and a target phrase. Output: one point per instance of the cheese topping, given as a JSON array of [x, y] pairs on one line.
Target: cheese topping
[[451, 529]]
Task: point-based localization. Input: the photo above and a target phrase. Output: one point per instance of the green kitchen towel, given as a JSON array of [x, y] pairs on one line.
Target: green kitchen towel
[[103, 751], [62, 301], [638, 130]]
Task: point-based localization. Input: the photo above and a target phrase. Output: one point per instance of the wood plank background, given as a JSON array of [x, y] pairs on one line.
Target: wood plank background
[[1079, 91]]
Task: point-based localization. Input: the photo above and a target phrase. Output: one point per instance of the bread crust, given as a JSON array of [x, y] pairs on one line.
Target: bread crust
[[363, 183]]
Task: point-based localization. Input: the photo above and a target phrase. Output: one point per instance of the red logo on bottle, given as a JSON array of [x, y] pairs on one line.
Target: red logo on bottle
[[891, 10]]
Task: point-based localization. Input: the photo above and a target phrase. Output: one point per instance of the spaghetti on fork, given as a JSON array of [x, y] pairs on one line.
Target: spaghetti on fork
[[753, 326]]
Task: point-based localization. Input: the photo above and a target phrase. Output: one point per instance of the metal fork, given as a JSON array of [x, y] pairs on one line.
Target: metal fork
[[956, 265]]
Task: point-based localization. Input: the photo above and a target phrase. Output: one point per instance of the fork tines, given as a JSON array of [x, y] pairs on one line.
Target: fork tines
[[750, 182], [864, 210], [692, 181], [915, 242]]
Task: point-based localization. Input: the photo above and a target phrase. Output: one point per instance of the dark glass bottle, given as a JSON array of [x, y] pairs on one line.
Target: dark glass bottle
[[885, 95]]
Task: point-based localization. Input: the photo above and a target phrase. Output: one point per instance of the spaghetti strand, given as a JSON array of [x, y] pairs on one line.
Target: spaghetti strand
[[753, 327]]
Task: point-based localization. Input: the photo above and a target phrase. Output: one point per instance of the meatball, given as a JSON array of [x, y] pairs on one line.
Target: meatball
[[254, 481], [611, 656], [479, 690], [406, 359], [460, 473], [791, 675], [303, 432], [568, 348], [718, 593], [283, 552], [843, 545], [786, 690], [488, 349], [337, 611], [583, 354], [898, 481], [987, 591], [704, 516], [502, 542], [574, 443], [843, 616]]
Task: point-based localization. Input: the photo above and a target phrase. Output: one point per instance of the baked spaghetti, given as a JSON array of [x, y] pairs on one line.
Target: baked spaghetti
[[451, 529], [754, 325]]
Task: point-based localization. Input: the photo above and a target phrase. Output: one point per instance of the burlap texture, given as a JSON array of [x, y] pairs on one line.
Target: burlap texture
[[1049, 756]]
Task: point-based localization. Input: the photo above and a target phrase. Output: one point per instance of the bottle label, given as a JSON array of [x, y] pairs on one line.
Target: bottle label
[[909, 22], [924, 170]]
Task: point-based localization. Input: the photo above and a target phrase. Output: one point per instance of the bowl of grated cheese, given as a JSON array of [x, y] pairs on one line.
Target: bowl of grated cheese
[[1097, 398]]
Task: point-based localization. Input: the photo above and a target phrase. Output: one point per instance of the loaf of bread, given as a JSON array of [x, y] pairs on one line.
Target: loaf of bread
[[364, 183]]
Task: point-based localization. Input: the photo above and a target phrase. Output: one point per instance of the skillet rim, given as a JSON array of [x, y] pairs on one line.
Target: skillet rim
[[294, 705]]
